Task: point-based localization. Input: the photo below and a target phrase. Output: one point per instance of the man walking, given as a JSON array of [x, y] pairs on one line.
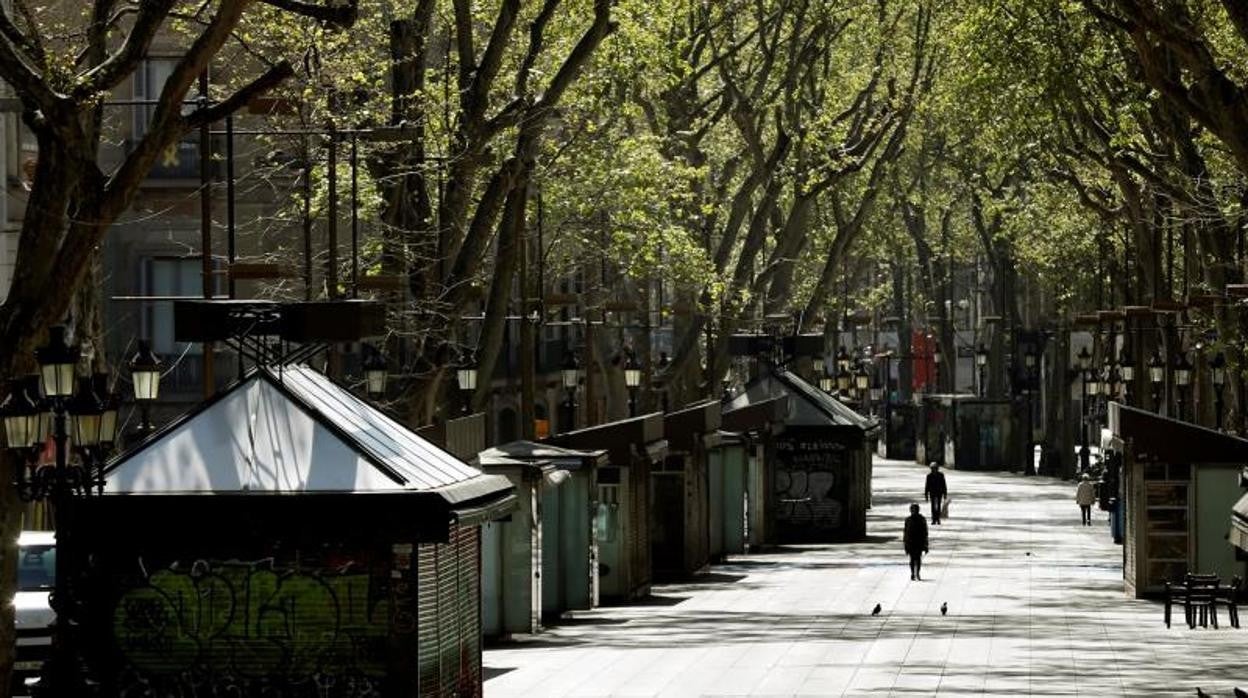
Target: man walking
[[1085, 494], [935, 490], [915, 541]]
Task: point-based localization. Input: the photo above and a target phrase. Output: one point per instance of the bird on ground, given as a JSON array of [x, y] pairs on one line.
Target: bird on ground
[[944, 608], [1028, 553], [876, 611], [1240, 693], [1200, 693]]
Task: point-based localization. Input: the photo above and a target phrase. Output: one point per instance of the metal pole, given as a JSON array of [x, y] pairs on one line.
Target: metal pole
[[1085, 453], [230, 229], [307, 221], [331, 263], [355, 216], [205, 227]]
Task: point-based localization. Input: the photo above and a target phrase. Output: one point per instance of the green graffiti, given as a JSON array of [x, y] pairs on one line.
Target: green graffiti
[[253, 623]]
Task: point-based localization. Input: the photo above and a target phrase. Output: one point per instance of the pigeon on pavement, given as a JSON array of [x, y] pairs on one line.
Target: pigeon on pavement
[[876, 611], [944, 608]]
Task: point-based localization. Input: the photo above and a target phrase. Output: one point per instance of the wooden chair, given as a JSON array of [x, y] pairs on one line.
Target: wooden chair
[[1229, 596], [1201, 603]]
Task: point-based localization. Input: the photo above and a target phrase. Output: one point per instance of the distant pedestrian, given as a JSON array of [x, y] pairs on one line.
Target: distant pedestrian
[[935, 490], [915, 541], [1085, 494]]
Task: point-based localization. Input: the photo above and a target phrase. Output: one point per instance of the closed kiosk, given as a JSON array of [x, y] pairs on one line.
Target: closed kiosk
[[1180, 486], [633, 447], [680, 513], [304, 538], [727, 477], [820, 483], [756, 419], [566, 508]]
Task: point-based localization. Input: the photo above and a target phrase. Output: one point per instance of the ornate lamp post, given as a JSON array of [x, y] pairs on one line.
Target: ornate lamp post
[[1218, 366], [826, 383], [569, 378], [981, 363], [632, 379], [1084, 361], [1126, 369], [466, 379], [1157, 376], [1182, 379], [844, 380], [862, 383], [91, 421], [816, 365]]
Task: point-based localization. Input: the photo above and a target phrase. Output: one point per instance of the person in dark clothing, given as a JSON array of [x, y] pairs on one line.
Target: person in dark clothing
[[935, 490], [915, 541]]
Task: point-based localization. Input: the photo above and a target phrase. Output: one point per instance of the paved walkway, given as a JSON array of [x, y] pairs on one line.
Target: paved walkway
[[797, 621]]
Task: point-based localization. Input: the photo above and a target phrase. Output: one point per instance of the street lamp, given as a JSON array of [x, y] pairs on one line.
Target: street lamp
[[375, 373], [1157, 376], [1089, 388], [844, 379], [466, 378], [145, 369], [981, 362], [632, 379], [1126, 369], [570, 377], [862, 383], [1218, 365], [91, 415], [1182, 379], [817, 366], [827, 384], [842, 360]]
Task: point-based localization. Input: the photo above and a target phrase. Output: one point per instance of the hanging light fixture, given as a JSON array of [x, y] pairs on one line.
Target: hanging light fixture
[[570, 373], [843, 380], [1156, 369], [842, 360], [466, 375], [981, 356], [86, 412], [1126, 367], [376, 374], [21, 417], [632, 372], [818, 365], [827, 384], [1218, 364], [145, 368], [57, 362], [1182, 370], [862, 379], [110, 402]]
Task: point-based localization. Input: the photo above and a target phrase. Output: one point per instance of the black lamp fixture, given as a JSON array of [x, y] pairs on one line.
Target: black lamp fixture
[[826, 383], [817, 365], [1182, 379], [58, 362], [1157, 377], [842, 360], [376, 374], [1218, 368], [844, 379], [1126, 367], [981, 356], [570, 372], [82, 423], [862, 380], [145, 369], [632, 380], [466, 375]]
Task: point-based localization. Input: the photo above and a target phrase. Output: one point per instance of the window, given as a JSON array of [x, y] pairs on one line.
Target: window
[[165, 277], [180, 161]]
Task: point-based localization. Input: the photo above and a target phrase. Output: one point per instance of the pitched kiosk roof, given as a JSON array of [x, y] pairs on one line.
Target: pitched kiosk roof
[[532, 451], [812, 405], [293, 430]]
